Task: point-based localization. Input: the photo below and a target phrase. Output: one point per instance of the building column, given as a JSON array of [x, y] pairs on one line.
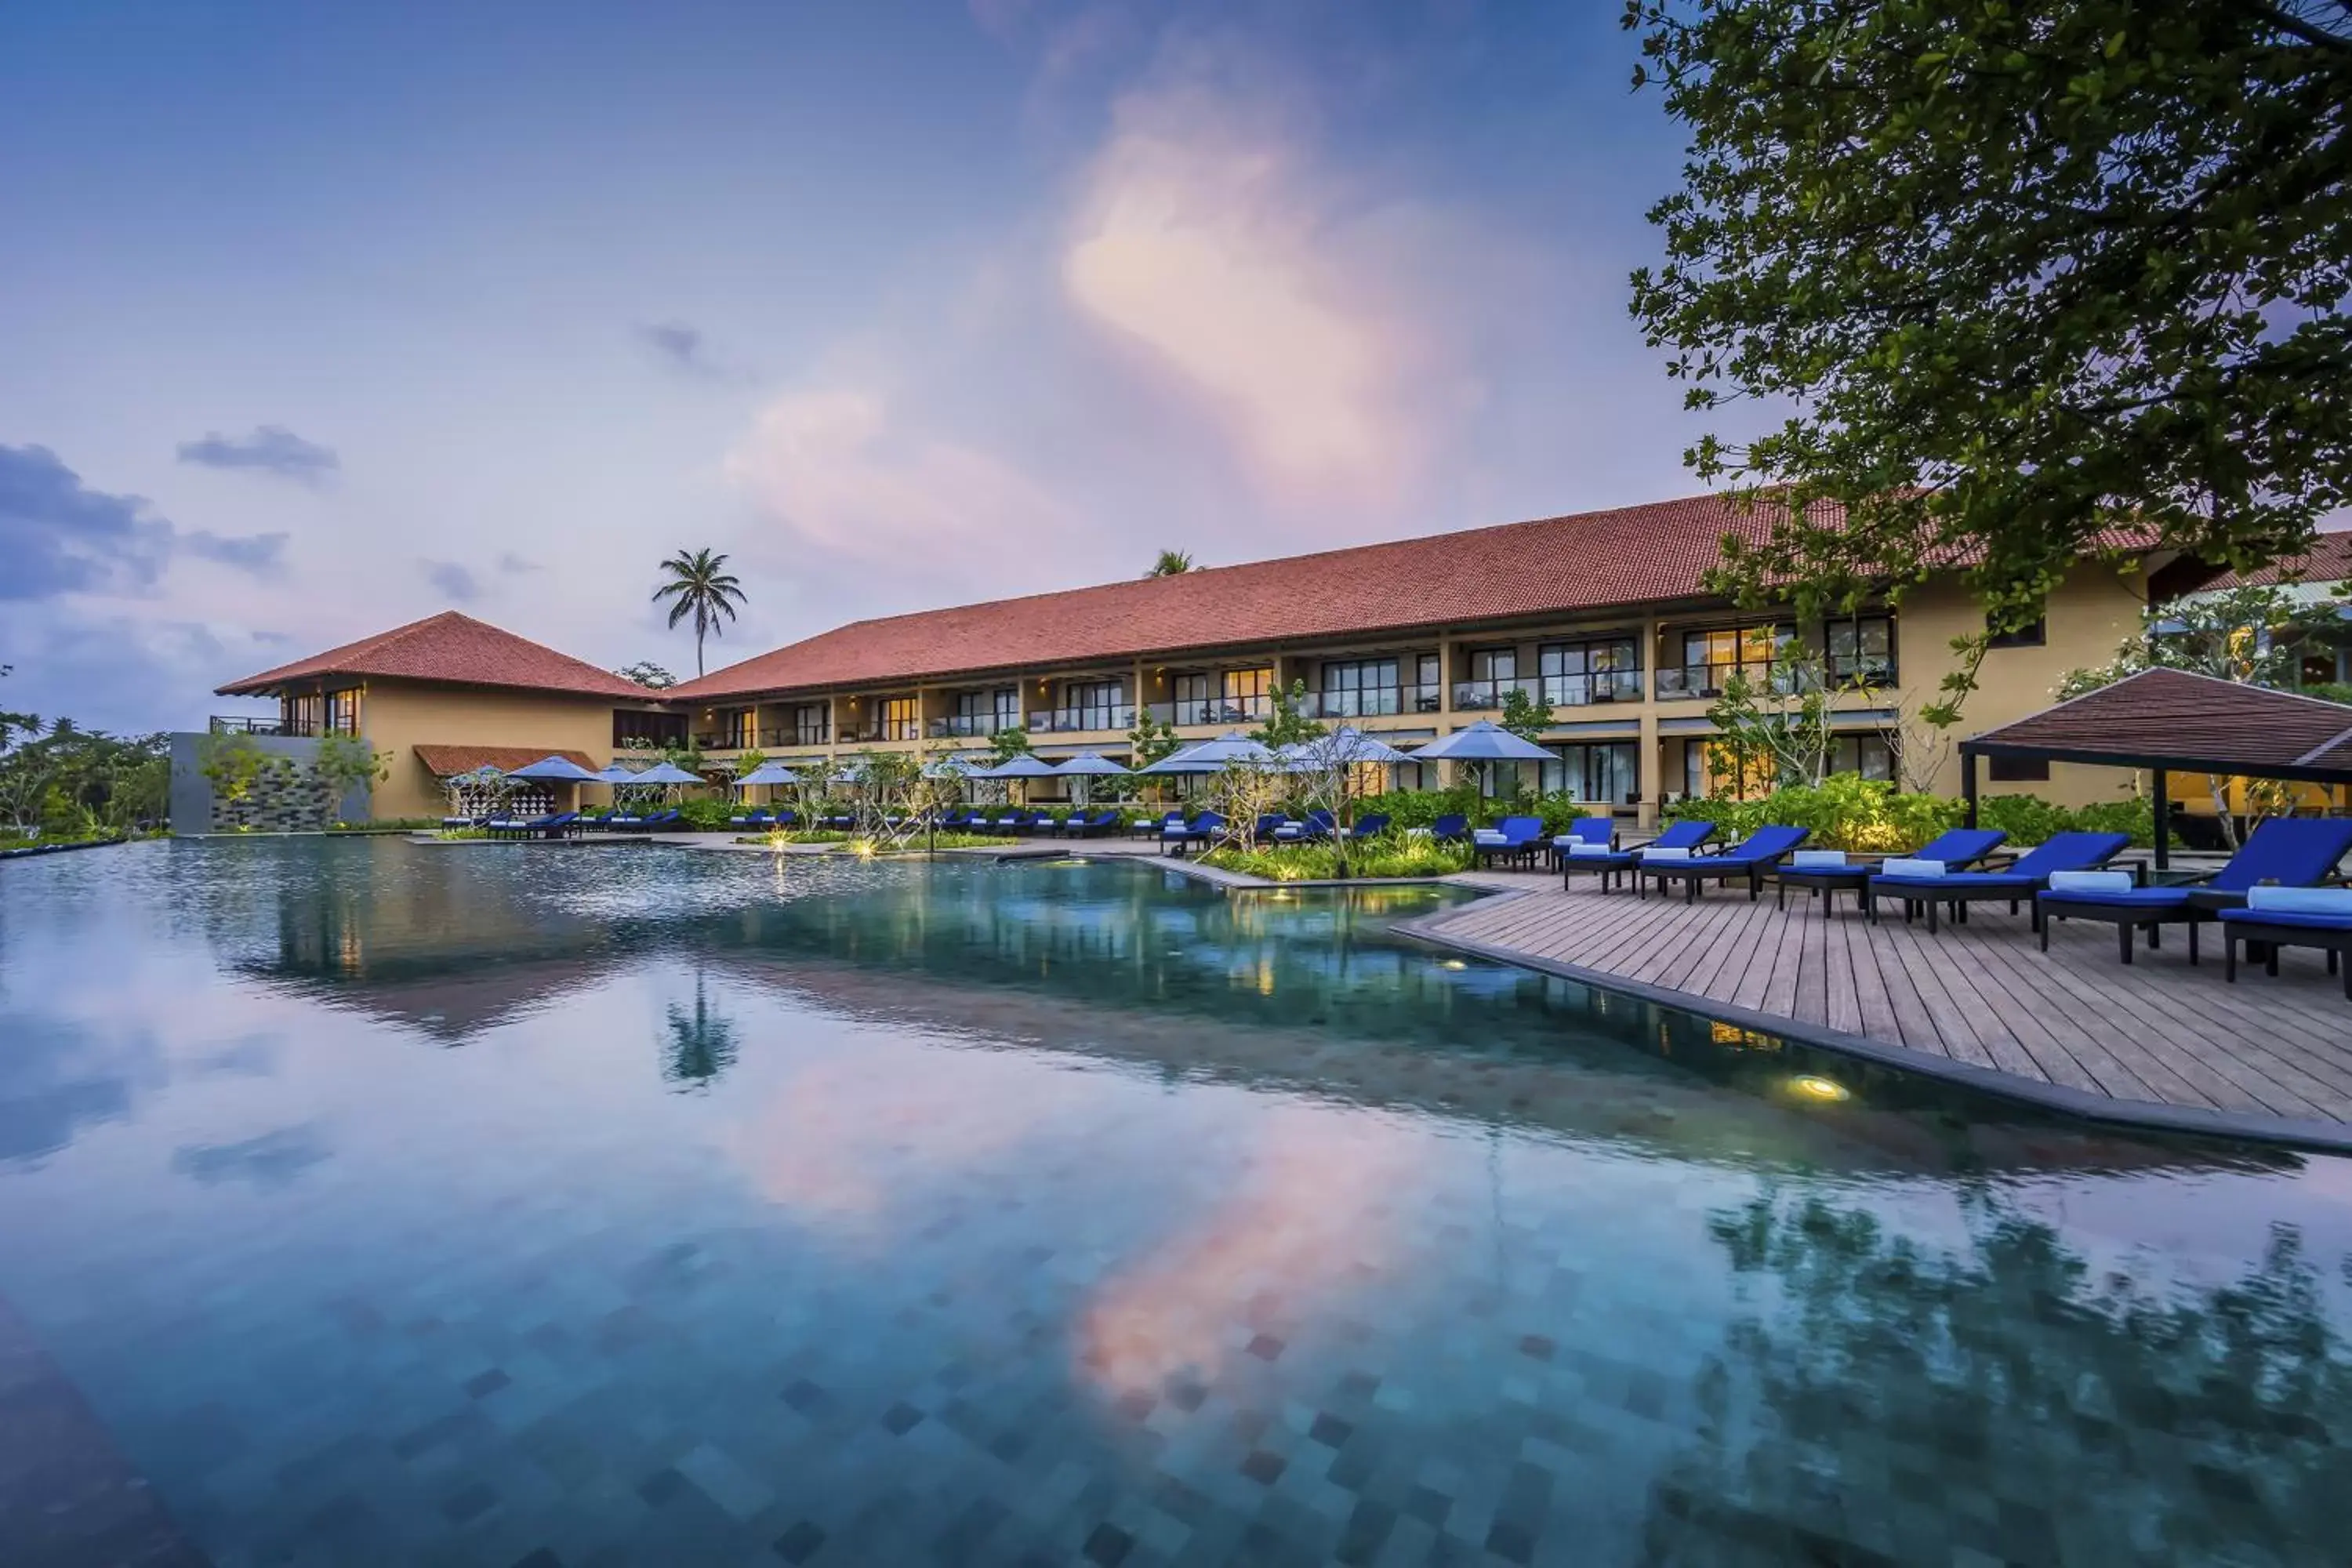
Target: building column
[[1447, 772], [1651, 762]]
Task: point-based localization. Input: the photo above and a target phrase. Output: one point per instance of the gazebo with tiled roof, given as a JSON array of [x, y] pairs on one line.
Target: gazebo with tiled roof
[[2174, 720]]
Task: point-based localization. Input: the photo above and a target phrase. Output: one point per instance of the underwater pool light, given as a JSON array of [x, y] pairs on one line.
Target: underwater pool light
[[1814, 1086]]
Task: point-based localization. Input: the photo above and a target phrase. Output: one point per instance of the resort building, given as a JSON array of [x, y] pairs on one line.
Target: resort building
[[1603, 617]]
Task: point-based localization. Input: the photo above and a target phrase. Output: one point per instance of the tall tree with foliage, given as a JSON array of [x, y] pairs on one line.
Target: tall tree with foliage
[[647, 674], [1287, 723], [698, 586], [2018, 272]]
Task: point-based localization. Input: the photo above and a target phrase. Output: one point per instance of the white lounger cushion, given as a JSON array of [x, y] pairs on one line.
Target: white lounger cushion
[[2090, 881], [1489, 836], [1656, 854], [2302, 900], [1804, 857], [1577, 847], [1904, 866]]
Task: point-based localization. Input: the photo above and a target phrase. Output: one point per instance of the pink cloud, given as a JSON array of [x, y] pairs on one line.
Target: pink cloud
[[1207, 234], [834, 469]]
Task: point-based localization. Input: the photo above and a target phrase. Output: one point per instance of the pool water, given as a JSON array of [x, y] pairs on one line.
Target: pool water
[[502, 1204]]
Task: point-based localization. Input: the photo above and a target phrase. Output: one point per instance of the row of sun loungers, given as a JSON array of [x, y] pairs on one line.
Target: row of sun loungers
[[2271, 894]]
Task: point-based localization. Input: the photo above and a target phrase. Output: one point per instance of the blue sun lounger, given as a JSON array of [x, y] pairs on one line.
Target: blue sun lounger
[[1588, 830], [1205, 828], [1750, 857], [1827, 872], [1513, 838], [1686, 837], [2282, 851], [1914, 883], [2291, 917]]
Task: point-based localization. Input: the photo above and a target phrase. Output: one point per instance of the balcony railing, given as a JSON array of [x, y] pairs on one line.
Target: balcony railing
[[240, 724], [980, 724], [1374, 701], [1597, 686], [1707, 680], [1211, 711], [1485, 695], [726, 740], [1065, 720]]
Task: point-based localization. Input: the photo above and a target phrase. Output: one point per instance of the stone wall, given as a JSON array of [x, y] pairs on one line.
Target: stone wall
[[284, 798]]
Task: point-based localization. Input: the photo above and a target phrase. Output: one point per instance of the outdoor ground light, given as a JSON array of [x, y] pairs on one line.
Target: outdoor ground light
[[1814, 1086]]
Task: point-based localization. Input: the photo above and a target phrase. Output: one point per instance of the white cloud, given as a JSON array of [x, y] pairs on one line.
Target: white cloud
[[1207, 233], [831, 467]]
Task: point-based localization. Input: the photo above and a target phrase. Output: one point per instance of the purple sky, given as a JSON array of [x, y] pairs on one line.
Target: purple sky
[[318, 318]]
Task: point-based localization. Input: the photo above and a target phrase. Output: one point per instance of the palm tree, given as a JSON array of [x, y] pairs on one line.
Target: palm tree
[[697, 587], [1171, 564]]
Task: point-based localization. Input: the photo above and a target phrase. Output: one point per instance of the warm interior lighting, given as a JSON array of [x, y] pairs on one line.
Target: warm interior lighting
[[1814, 1086], [1452, 964]]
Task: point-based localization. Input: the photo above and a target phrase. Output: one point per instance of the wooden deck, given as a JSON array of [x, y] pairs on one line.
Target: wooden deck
[[1982, 994]]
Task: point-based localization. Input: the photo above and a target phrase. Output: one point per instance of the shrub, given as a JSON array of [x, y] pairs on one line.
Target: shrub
[[706, 815], [1846, 812], [1386, 855], [1843, 811]]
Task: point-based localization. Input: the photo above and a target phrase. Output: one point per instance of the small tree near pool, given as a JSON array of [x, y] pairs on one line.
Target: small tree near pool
[[343, 763]]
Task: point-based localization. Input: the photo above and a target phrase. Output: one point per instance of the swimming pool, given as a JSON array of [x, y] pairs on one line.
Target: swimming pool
[[391, 1202]]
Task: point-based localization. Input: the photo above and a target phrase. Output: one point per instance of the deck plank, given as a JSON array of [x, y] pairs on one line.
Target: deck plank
[[1981, 992]]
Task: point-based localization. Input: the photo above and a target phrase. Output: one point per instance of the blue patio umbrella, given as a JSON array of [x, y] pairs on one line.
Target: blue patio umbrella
[[667, 773], [768, 773], [1024, 766], [1088, 766], [1484, 742], [557, 770], [1211, 756], [615, 775]]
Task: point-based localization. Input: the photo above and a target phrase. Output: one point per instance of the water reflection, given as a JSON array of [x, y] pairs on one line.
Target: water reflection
[[700, 1044], [1308, 993], [2053, 1412]]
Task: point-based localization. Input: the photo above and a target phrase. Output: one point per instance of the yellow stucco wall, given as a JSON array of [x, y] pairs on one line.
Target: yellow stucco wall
[[2095, 611], [399, 716]]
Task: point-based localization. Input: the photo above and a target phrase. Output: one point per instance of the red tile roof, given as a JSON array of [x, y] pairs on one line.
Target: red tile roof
[[2329, 560], [2194, 722], [1592, 561], [447, 762], [449, 647]]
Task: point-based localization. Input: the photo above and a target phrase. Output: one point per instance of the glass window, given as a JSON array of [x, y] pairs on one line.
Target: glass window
[[1710, 658], [1495, 664], [1192, 695], [899, 719], [1602, 671], [1094, 705], [1601, 771], [1355, 687], [2034, 634], [654, 729], [1861, 648], [1872, 756]]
